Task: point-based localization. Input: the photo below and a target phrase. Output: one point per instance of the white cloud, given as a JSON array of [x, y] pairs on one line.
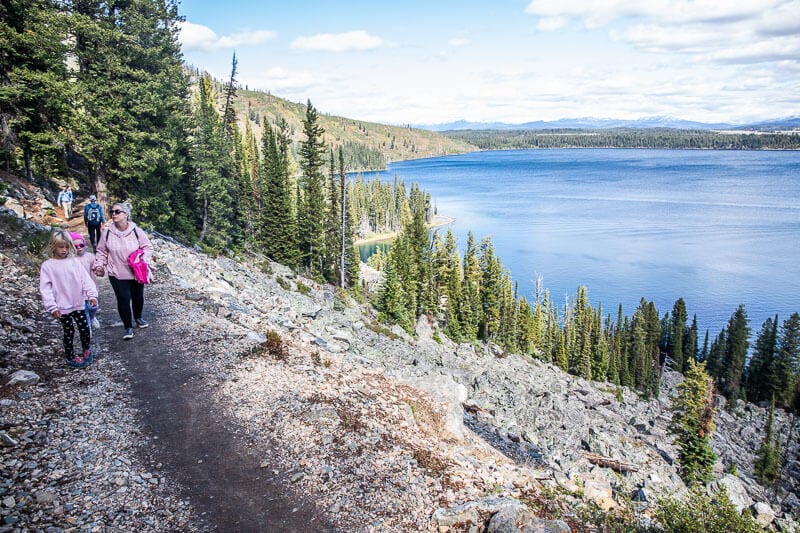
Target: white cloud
[[715, 30], [456, 42], [338, 42], [551, 23], [199, 37]]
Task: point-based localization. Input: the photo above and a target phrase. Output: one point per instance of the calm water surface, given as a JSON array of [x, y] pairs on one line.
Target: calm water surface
[[718, 228]]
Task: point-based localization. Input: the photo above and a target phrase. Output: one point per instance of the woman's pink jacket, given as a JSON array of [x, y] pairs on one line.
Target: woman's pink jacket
[[115, 246]]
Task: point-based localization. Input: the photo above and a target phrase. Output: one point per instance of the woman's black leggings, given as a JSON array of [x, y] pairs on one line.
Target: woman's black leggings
[[69, 331], [129, 292]]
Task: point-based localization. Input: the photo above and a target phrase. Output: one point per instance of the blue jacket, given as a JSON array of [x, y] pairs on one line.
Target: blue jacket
[[86, 213], [64, 196]]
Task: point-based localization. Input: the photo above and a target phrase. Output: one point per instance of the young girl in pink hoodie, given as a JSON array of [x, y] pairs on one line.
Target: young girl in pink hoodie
[[65, 285]]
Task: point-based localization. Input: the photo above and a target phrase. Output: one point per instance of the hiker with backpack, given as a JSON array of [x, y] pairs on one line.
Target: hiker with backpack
[[93, 218], [65, 201], [121, 239]]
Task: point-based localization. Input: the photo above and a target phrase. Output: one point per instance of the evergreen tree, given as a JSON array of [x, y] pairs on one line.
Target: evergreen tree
[[677, 328], [767, 462], [470, 312], [787, 363], [278, 223], [693, 423], [350, 259], [212, 168], [34, 89], [733, 357], [760, 371], [690, 344], [228, 112], [131, 110], [311, 205], [333, 254], [490, 291]]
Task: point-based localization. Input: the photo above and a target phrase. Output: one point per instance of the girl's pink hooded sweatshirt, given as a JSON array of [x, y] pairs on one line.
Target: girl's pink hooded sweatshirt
[[65, 285], [115, 246]]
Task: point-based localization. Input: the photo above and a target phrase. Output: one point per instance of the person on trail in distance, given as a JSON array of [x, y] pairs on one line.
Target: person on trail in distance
[[93, 218], [86, 259], [65, 201], [65, 285], [121, 238]]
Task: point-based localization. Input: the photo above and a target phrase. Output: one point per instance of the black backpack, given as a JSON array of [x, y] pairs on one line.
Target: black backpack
[[93, 215]]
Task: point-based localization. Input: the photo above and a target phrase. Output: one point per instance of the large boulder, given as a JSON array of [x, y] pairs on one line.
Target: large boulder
[[451, 395], [735, 489]]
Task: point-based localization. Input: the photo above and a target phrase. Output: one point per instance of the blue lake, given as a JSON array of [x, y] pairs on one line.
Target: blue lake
[[717, 228]]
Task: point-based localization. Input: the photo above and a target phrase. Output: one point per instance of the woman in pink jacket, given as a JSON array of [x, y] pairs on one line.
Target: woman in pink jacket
[[117, 242], [65, 285]]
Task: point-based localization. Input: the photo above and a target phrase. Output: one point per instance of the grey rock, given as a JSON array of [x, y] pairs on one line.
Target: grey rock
[[513, 519], [763, 513], [23, 377]]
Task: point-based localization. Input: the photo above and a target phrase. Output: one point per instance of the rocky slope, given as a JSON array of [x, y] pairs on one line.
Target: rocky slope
[[383, 431]]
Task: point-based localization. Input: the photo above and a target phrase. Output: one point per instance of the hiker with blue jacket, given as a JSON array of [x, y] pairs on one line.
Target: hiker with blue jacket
[[65, 201], [93, 218]]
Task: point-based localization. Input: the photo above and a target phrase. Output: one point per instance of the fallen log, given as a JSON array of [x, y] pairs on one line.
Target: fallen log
[[609, 462]]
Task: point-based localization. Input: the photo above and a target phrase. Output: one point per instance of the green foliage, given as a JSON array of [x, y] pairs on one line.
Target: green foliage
[[285, 285], [701, 513], [311, 204], [693, 423], [767, 465], [625, 138], [303, 289]]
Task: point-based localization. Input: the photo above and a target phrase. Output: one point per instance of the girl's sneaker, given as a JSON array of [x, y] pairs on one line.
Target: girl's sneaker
[[88, 357], [76, 362]]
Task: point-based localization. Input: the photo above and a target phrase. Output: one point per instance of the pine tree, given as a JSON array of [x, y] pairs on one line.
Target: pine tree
[[131, 110], [735, 352], [228, 112], [759, 376], [676, 336], [212, 169], [311, 206], [333, 254], [34, 88], [490, 290], [693, 423], [767, 462], [278, 223], [787, 363], [350, 259]]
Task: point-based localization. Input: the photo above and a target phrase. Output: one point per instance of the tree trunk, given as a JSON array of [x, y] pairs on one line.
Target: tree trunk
[[99, 184]]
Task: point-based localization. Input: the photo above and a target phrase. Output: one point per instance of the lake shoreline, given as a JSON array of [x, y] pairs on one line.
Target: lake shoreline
[[438, 221]]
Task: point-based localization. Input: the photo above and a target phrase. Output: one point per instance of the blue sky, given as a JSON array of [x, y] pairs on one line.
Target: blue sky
[[506, 60]]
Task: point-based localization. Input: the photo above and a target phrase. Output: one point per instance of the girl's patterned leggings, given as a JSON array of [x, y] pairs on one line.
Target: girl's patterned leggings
[[69, 331]]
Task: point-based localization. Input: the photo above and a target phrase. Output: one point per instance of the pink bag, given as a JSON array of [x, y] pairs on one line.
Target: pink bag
[[141, 270]]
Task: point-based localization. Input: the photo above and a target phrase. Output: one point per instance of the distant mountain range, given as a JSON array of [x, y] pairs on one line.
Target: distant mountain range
[[607, 123]]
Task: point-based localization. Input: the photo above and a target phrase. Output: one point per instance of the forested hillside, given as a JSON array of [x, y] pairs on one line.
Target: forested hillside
[[97, 96], [626, 138], [366, 145]]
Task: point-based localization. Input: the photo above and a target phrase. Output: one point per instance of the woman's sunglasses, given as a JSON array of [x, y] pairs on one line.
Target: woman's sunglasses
[[116, 211]]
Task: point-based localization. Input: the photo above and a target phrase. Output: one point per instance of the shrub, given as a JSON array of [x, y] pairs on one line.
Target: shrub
[[285, 285], [303, 289], [275, 346], [701, 513]]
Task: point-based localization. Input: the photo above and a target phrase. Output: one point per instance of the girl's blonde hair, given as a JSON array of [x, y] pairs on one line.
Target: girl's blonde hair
[[58, 237]]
